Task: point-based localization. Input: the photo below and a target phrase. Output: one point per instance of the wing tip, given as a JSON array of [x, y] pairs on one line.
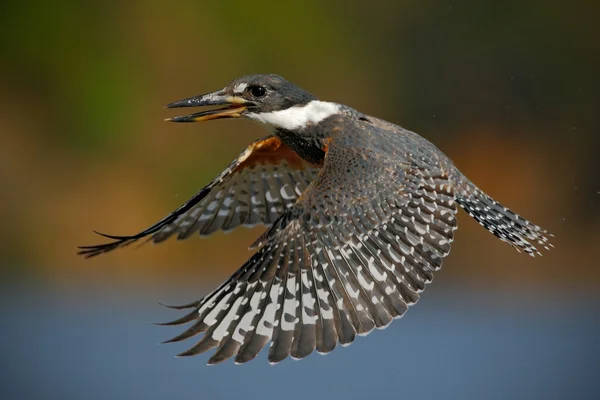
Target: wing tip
[[95, 250], [180, 321], [180, 307]]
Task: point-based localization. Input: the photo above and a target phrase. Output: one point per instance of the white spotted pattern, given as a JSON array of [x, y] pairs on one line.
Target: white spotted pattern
[[503, 223], [304, 295]]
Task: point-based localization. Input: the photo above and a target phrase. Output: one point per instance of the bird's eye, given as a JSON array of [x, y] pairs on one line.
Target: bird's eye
[[257, 91]]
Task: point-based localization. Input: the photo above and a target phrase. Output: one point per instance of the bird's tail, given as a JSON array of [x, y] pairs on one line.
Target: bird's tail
[[499, 220]]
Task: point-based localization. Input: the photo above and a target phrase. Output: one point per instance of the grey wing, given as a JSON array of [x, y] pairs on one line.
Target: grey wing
[[350, 256], [256, 188]]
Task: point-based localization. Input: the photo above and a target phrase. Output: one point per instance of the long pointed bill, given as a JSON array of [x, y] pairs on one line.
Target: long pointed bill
[[233, 107]]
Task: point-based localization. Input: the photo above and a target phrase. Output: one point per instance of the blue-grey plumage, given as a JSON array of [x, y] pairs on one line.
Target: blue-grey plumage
[[361, 213]]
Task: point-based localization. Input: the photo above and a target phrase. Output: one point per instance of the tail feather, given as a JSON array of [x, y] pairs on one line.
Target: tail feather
[[502, 222]]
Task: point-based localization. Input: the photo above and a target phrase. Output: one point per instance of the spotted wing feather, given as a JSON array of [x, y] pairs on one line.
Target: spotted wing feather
[[503, 223], [322, 275], [256, 188]]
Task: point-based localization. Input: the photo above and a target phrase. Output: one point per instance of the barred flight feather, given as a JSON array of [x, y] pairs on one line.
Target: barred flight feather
[[302, 294], [256, 188]]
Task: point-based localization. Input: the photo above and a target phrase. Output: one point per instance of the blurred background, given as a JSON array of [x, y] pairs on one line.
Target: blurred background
[[509, 90]]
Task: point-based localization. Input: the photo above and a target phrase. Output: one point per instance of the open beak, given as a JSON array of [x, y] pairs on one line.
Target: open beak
[[233, 107]]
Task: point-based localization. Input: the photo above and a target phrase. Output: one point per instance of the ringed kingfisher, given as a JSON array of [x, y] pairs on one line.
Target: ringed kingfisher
[[359, 212]]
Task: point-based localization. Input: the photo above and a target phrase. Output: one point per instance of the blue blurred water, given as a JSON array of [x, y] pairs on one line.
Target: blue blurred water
[[453, 345]]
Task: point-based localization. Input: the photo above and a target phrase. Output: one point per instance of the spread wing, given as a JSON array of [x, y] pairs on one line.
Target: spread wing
[[257, 187], [351, 255]]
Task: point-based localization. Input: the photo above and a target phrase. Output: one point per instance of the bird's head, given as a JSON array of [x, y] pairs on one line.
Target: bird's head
[[269, 99]]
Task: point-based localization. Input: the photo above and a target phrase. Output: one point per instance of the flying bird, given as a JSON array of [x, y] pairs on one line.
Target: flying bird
[[360, 214]]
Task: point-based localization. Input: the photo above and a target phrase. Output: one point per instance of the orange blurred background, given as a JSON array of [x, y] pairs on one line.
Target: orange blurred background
[[84, 146]]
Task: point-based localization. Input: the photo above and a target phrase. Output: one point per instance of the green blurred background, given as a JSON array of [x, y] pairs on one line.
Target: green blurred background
[[508, 90]]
